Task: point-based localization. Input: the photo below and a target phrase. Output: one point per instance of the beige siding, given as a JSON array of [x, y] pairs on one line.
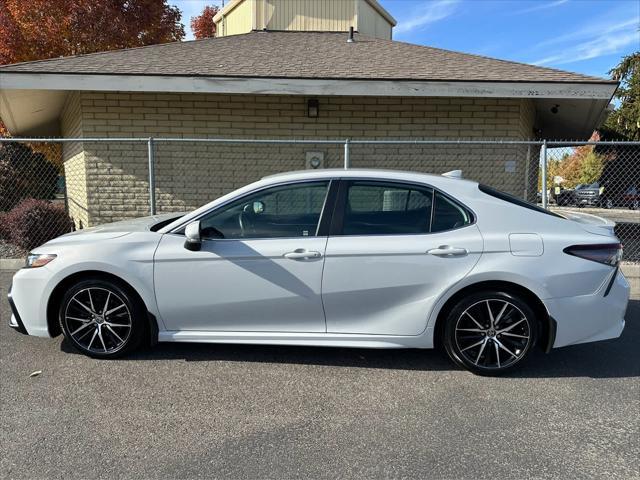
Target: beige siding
[[239, 20], [307, 15], [190, 174], [371, 23], [303, 15]]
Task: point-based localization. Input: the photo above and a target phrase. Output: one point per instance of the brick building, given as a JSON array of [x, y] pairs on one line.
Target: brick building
[[258, 81]]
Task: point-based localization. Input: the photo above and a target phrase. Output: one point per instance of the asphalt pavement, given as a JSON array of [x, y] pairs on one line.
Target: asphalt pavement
[[207, 411]]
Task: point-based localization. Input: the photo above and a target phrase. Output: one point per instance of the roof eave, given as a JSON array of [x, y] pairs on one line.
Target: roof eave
[[29, 101], [306, 86]]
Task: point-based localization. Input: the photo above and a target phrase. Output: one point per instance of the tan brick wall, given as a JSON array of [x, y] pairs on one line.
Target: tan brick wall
[[73, 157], [531, 154], [189, 174]]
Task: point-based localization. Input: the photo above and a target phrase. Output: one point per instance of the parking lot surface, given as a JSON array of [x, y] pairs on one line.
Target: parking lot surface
[[207, 411]]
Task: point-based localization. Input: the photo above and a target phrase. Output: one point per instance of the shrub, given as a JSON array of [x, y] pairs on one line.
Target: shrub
[[25, 173], [34, 222], [9, 191], [4, 232]]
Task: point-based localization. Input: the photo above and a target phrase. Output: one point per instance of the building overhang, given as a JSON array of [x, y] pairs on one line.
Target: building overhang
[[30, 101]]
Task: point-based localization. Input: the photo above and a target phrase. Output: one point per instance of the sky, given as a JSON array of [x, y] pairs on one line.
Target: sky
[[585, 36]]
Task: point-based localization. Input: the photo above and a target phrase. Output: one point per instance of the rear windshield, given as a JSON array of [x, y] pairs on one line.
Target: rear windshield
[[515, 200]]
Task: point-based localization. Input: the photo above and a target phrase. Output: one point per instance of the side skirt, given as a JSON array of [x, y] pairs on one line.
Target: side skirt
[[424, 340]]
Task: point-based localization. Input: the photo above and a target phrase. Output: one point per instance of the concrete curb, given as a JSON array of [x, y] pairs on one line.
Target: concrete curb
[[11, 264], [632, 274]]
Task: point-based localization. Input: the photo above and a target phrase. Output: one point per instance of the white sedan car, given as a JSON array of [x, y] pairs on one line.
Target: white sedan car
[[350, 258]]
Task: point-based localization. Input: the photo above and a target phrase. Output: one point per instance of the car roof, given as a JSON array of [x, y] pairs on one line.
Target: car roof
[[452, 186], [382, 174]]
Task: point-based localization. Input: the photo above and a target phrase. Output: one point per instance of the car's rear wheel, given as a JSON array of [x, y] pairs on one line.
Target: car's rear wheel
[[101, 318], [490, 333]]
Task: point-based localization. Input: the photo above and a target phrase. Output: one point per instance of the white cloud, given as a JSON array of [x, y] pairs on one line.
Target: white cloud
[[593, 43], [541, 6], [591, 30], [429, 12]]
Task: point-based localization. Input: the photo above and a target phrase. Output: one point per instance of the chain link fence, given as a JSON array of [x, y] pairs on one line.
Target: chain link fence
[[50, 186], [600, 178]]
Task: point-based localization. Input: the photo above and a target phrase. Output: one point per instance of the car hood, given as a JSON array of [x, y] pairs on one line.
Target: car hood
[[116, 229]]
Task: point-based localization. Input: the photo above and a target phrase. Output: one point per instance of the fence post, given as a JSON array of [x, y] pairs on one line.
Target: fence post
[[347, 155], [545, 200], [152, 176]]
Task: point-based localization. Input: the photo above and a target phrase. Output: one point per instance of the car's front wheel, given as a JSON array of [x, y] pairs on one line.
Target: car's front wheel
[[101, 318], [490, 333]]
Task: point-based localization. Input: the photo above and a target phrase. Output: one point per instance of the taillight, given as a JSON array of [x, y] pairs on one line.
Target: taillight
[[607, 253]]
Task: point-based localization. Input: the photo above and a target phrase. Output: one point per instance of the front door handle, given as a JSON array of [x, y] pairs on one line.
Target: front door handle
[[448, 251], [302, 254]]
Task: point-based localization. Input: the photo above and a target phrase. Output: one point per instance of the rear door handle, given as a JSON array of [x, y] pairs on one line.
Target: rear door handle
[[448, 251], [302, 254]]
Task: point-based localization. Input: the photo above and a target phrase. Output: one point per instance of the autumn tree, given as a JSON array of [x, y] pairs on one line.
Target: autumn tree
[[203, 25], [625, 120], [39, 29], [582, 166]]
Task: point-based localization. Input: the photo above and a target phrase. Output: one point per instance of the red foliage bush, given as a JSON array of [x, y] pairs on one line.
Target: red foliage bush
[[34, 222], [4, 232]]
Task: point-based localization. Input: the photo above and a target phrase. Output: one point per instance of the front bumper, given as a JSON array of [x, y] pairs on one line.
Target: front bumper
[[590, 318], [30, 290], [15, 321], [590, 201]]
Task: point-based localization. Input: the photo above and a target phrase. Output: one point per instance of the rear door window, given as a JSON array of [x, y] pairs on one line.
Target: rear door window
[[377, 208], [448, 214]]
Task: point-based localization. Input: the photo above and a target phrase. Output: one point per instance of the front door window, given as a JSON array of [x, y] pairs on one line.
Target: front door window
[[285, 211]]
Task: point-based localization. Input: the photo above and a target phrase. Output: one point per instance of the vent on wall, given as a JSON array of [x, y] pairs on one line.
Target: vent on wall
[[314, 160]]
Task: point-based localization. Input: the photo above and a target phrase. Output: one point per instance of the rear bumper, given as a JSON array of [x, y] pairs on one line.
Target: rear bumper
[[590, 318]]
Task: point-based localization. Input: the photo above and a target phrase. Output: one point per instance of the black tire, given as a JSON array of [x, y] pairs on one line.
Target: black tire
[[113, 335], [500, 349]]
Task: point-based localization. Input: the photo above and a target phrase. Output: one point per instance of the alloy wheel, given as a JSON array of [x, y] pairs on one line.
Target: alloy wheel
[[493, 334], [98, 320]]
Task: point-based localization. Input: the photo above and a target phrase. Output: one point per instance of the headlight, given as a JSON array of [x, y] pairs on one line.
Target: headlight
[[35, 260]]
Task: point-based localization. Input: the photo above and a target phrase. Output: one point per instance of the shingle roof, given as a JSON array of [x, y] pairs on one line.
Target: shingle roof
[[309, 55]]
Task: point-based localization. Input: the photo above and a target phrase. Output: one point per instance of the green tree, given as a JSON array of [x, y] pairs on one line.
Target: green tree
[[625, 120], [591, 168]]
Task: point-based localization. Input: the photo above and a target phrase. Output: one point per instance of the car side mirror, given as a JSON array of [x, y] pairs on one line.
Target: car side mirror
[[193, 239]]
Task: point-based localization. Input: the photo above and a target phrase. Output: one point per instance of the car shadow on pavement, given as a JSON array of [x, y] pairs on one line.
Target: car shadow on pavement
[[608, 359]]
